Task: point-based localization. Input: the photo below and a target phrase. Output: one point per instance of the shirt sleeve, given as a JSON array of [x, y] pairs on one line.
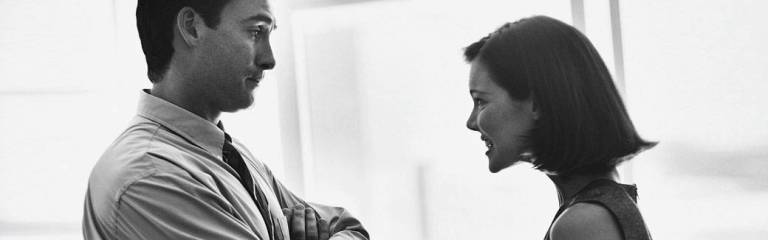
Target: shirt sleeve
[[176, 206], [343, 225]]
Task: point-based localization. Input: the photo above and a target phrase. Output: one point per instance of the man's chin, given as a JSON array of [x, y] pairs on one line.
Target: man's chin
[[241, 105]]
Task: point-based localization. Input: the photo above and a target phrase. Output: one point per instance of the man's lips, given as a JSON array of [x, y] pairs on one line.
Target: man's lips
[[255, 77]]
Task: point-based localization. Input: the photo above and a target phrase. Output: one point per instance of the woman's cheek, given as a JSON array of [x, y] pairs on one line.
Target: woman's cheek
[[486, 121]]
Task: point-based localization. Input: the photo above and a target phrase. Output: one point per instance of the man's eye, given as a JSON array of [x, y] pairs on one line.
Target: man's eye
[[255, 33]]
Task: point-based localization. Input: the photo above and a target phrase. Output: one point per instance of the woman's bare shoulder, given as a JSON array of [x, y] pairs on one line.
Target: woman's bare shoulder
[[586, 221]]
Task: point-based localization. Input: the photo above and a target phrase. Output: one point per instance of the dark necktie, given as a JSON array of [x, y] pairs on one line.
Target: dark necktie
[[235, 160]]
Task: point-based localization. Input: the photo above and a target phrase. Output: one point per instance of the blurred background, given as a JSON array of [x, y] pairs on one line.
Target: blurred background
[[367, 106]]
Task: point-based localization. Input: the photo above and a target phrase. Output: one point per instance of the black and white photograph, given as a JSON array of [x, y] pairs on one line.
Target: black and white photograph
[[383, 119]]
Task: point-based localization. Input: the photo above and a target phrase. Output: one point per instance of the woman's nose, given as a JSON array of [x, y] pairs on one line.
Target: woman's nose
[[472, 122]]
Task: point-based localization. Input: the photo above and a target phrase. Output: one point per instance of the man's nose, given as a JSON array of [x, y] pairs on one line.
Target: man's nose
[[266, 60]]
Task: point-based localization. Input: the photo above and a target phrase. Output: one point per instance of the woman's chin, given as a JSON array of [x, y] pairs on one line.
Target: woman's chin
[[496, 166]]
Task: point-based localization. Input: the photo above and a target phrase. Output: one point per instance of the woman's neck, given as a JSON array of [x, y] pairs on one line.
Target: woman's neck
[[569, 186]]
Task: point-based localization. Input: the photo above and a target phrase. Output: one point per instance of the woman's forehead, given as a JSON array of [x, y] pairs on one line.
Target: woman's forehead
[[480, 79]]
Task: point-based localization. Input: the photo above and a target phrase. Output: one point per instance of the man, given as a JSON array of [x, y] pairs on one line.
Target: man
[[175, 173]]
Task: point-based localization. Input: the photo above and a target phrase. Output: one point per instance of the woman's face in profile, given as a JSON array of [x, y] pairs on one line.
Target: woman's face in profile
[[504, 123]]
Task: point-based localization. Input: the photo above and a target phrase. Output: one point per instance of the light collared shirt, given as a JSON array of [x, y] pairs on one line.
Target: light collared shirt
[[164, 178]]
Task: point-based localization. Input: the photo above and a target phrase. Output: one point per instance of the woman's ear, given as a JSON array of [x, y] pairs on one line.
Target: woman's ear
[[187, 24], [534, 109]]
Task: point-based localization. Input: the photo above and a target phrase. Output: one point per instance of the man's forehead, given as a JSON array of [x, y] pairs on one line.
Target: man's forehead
[[246, 9], [258, 3]]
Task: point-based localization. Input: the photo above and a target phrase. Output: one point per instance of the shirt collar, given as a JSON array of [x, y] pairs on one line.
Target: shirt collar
[[188, 125]]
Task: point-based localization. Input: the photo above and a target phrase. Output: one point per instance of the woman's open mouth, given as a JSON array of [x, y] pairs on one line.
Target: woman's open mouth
[[488, 143]]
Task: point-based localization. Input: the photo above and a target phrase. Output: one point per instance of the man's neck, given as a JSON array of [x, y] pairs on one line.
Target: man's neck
[[567, 187], [174, 91]]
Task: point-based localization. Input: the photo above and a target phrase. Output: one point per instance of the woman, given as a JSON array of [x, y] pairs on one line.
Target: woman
[[542, 95]]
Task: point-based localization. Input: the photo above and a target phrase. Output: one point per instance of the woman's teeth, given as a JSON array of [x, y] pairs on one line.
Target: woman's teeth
[[488, 143]]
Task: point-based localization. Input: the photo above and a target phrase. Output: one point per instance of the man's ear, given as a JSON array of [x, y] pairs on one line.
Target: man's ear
[[188, 23]]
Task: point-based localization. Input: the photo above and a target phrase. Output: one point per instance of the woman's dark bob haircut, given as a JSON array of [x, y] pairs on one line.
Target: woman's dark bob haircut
[[583, 127]]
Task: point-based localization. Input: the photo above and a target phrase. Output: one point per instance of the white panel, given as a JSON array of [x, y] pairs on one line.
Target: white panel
[[598, 25], [49, 144], [54, 45], [58, 111]]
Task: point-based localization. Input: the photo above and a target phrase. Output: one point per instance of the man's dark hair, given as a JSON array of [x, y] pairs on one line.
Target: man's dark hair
[[155, 20], [583, 126]]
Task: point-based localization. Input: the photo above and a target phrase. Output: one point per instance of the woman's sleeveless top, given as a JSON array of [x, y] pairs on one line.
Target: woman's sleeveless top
[[619, 199]]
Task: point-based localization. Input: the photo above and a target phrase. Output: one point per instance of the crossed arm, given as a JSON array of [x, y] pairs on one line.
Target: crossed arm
[[312, 221], [175, 206]]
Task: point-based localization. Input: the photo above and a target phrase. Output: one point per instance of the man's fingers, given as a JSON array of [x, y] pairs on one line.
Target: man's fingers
[[311, 224], [298, 230], [324, 230]]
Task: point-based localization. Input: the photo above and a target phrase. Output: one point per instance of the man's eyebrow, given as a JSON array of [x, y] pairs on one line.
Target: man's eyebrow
[[261, 18]]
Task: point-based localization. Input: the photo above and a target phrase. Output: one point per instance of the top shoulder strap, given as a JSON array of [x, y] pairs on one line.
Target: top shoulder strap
[[621, 201]]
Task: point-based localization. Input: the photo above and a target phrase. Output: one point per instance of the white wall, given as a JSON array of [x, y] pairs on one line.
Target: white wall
[[57, 57], [696, 81]]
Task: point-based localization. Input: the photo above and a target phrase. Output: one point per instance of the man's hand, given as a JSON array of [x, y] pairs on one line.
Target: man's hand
[[305, 224]]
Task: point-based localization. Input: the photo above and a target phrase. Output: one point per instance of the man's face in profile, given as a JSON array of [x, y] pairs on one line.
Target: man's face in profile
[[235, 54]]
